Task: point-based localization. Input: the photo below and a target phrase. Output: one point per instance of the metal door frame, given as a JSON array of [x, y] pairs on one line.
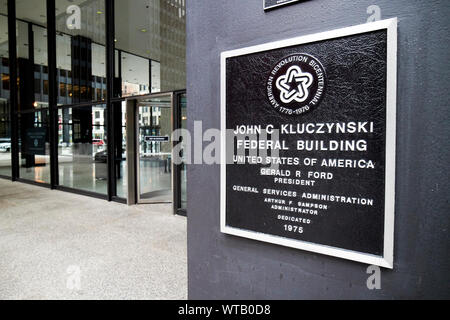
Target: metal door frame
[[133, 154], [137, 157], [177, 168]]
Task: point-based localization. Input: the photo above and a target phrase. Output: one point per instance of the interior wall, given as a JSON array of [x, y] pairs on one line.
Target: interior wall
[[228, 267]]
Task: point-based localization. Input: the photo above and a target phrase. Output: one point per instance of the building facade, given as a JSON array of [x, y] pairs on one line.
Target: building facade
[[223, 266], [75, 64], [91, 91]]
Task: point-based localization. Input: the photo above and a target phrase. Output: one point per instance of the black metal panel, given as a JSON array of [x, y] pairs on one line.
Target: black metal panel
[[53, 92], [109, 10], [119, 200], [12, 44], [82, 192], [34, 183], [176, 171], [176, 178]]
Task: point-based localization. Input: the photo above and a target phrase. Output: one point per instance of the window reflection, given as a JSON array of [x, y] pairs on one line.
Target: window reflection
[[80, 52], [82, 148], [33, 90], [150, 46], [149, 58], [34, 146], [135, 75], [5, 124]]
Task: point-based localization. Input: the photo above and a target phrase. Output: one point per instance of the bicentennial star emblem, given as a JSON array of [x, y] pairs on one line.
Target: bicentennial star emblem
[[294, 85]]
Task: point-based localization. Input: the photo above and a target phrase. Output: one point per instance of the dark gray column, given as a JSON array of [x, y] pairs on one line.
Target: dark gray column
[[229, 267]]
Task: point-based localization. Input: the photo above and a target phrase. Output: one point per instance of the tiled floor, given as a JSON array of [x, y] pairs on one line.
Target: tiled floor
[[57, 245]]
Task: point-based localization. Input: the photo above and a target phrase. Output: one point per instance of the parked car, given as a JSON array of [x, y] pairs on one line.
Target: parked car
[[5, 144], [98, 142], [101, 169], [101, 157]]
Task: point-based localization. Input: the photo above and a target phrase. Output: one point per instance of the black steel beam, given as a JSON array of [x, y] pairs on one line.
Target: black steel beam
[[12, 45], [109, 13], [52, 92]]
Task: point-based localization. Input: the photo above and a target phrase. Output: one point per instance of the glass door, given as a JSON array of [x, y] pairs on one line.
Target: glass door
[[154, 149]]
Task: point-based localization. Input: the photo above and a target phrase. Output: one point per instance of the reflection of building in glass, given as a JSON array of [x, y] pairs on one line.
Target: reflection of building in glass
[[147, 55]]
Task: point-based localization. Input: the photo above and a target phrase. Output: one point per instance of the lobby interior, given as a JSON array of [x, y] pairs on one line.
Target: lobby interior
[[76, 64]]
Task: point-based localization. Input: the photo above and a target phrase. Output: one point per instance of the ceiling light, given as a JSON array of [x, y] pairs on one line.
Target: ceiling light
[[143, 30], [99, 12]]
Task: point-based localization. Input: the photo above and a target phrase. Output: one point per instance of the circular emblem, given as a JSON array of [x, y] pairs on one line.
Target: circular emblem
[[296, 84]]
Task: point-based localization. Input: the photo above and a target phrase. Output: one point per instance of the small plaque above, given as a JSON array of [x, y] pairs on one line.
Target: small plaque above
[[270, 4]]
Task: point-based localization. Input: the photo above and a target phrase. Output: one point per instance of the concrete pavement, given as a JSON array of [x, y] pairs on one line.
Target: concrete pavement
[[58, 245]]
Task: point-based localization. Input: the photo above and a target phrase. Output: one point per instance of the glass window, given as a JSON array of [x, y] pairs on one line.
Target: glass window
[[5, 81], [62, 89], [156, 77], [150, 46], [37, 85], [80, 46], [120, 157], [21, 38], [40, 46], [32, 66], [135, 75], [82, 148], [151, 43], [45, 91], [5, 124], [34, 146]]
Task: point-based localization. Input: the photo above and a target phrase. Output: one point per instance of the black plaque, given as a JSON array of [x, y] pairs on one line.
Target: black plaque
[[313, 155], [35, 141], [270, 4]]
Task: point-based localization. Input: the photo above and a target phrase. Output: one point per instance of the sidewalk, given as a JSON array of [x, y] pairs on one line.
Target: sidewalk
[[58, 245]]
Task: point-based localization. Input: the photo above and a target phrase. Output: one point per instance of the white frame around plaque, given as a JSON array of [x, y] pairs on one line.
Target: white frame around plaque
[[278, 5], [387, 259]]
